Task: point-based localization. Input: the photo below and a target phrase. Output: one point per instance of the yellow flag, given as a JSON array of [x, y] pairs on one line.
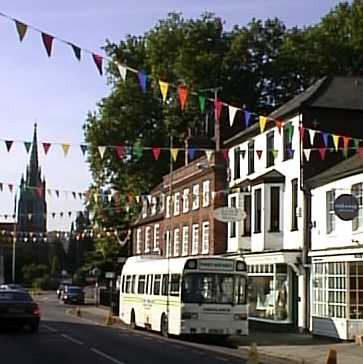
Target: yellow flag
[[164, 89], [65, 148], [174, 153], [336, 141], [263, 121]]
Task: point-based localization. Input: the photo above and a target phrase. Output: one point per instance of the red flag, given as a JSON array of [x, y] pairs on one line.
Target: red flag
[[48, 42], [46, 147], [302, 131], [259, 153], [279, 125], [217, 110], [156, 152], [98, 61], [322, 152], [120, 151], [225, 154], [183, 95]]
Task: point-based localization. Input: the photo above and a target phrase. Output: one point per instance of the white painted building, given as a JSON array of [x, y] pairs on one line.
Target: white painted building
[[268, 168], [337, 253]]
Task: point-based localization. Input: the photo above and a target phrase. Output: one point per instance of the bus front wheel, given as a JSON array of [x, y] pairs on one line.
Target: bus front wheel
[[164, 326], [132, 320]]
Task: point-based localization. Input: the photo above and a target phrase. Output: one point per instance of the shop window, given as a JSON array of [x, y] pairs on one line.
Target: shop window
[[330, 213], [258, 209], [269, 149], [357, 192], [356, 290]]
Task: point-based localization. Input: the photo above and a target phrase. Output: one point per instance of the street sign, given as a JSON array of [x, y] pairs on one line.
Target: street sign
[[346, 207], [229, 214], [110, 275]]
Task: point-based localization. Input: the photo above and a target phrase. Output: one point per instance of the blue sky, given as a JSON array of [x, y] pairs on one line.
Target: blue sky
[[58, 92]]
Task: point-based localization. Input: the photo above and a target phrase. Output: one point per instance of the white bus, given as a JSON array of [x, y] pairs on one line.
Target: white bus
[[191, 295]]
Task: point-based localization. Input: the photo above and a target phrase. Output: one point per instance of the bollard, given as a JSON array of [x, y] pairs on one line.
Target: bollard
[[78, 311], [332, 357], [253, 354], [109, 319]]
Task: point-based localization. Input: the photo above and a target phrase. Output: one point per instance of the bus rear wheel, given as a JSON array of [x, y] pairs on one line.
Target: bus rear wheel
[[132, 320], [164, 326]]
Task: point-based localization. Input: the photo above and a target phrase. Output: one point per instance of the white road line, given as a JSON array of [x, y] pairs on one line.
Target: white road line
[[107, 356], [49, 328], [70, 338]]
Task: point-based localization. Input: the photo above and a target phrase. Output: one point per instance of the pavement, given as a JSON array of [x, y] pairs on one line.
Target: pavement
[[277, 348]]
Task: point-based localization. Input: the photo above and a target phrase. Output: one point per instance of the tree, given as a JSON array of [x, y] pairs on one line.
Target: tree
[[56, 267]]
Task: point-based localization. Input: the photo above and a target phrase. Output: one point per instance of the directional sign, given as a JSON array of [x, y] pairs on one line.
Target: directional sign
[[229, 214]]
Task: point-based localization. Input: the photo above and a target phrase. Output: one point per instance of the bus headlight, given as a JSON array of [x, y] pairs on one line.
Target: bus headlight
[[240, 266], [190, 316], [240, 316]]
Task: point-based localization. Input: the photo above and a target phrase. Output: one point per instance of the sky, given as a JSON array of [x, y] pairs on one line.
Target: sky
[[58, 92]]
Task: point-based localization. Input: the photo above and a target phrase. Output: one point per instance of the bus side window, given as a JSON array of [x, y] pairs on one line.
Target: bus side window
[[133, 283], [128, 284], [123, 284], [141, 285], [175, 285], [164, 288], [157, 282], [150, 288]]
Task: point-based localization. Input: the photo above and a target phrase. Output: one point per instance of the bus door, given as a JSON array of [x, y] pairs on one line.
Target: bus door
[[148, 300]]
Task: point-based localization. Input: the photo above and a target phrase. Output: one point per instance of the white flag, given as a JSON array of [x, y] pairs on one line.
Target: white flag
[[122, 69], [102, 150], [307, 154], [232, 114], [311, 135]]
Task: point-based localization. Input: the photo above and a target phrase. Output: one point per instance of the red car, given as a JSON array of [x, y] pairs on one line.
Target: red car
[[18, 309]]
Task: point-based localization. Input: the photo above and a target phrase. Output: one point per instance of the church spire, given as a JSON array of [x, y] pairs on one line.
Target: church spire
[[33, 165]]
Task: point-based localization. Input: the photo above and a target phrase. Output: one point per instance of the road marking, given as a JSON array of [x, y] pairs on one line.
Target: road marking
[[70, 338], [52, 329], [107, 356]]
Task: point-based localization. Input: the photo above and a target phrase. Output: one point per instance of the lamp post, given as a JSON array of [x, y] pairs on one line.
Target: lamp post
[[14, 241]]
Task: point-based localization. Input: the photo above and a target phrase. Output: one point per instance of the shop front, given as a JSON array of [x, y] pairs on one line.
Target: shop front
[[337, 293], [273, 290]]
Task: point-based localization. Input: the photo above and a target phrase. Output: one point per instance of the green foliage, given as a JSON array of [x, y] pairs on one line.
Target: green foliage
[[33, 271], [56, 267]]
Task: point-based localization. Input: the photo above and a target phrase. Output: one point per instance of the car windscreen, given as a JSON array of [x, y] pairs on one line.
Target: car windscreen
[[14, 296], [74, 290]]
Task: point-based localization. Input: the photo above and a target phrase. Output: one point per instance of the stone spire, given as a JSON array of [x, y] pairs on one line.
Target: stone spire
[[34, 173]]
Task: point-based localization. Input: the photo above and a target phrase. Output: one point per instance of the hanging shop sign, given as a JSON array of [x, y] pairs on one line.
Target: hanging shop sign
[[346, 207]]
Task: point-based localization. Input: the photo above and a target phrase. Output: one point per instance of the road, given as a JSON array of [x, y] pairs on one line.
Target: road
[[66, 339]]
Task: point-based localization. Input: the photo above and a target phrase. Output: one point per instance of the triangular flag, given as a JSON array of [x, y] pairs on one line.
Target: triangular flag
[[120, 151], [8, 143], [137, 150], [76, 51], [356, 143], [201, 103], [156, 152], [183, 96], [248, 117], [142, 76], [345, 146], [259, 153], [302, 132], [307, 154], [209, 154], [311, 136], [101, 150], [336, 141], [122, 69], [275, 153], [322, 152], [46, 147], [291, 153], [74, 195], [217, 110], [232, 113], [191, 152], [243, 153], [325, 138], [174, 153], [21, 29], [11, 187], [98, 61], [290, 130], [225, 154], [262, 121], [279, 124], [30, 216], [48, 42], [83, 149], [57, 193], [1, 186], [49, 191], [65, 148], [27, 146], [164, 89]]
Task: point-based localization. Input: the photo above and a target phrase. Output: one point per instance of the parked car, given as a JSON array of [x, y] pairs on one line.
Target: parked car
[[18, 309], [12, 286], [73, 294]]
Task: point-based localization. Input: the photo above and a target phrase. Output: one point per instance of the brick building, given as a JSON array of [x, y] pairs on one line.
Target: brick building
[[177, 217]]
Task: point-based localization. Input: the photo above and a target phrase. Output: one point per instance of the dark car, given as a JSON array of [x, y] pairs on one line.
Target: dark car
[[18, 309], [73, 294]]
